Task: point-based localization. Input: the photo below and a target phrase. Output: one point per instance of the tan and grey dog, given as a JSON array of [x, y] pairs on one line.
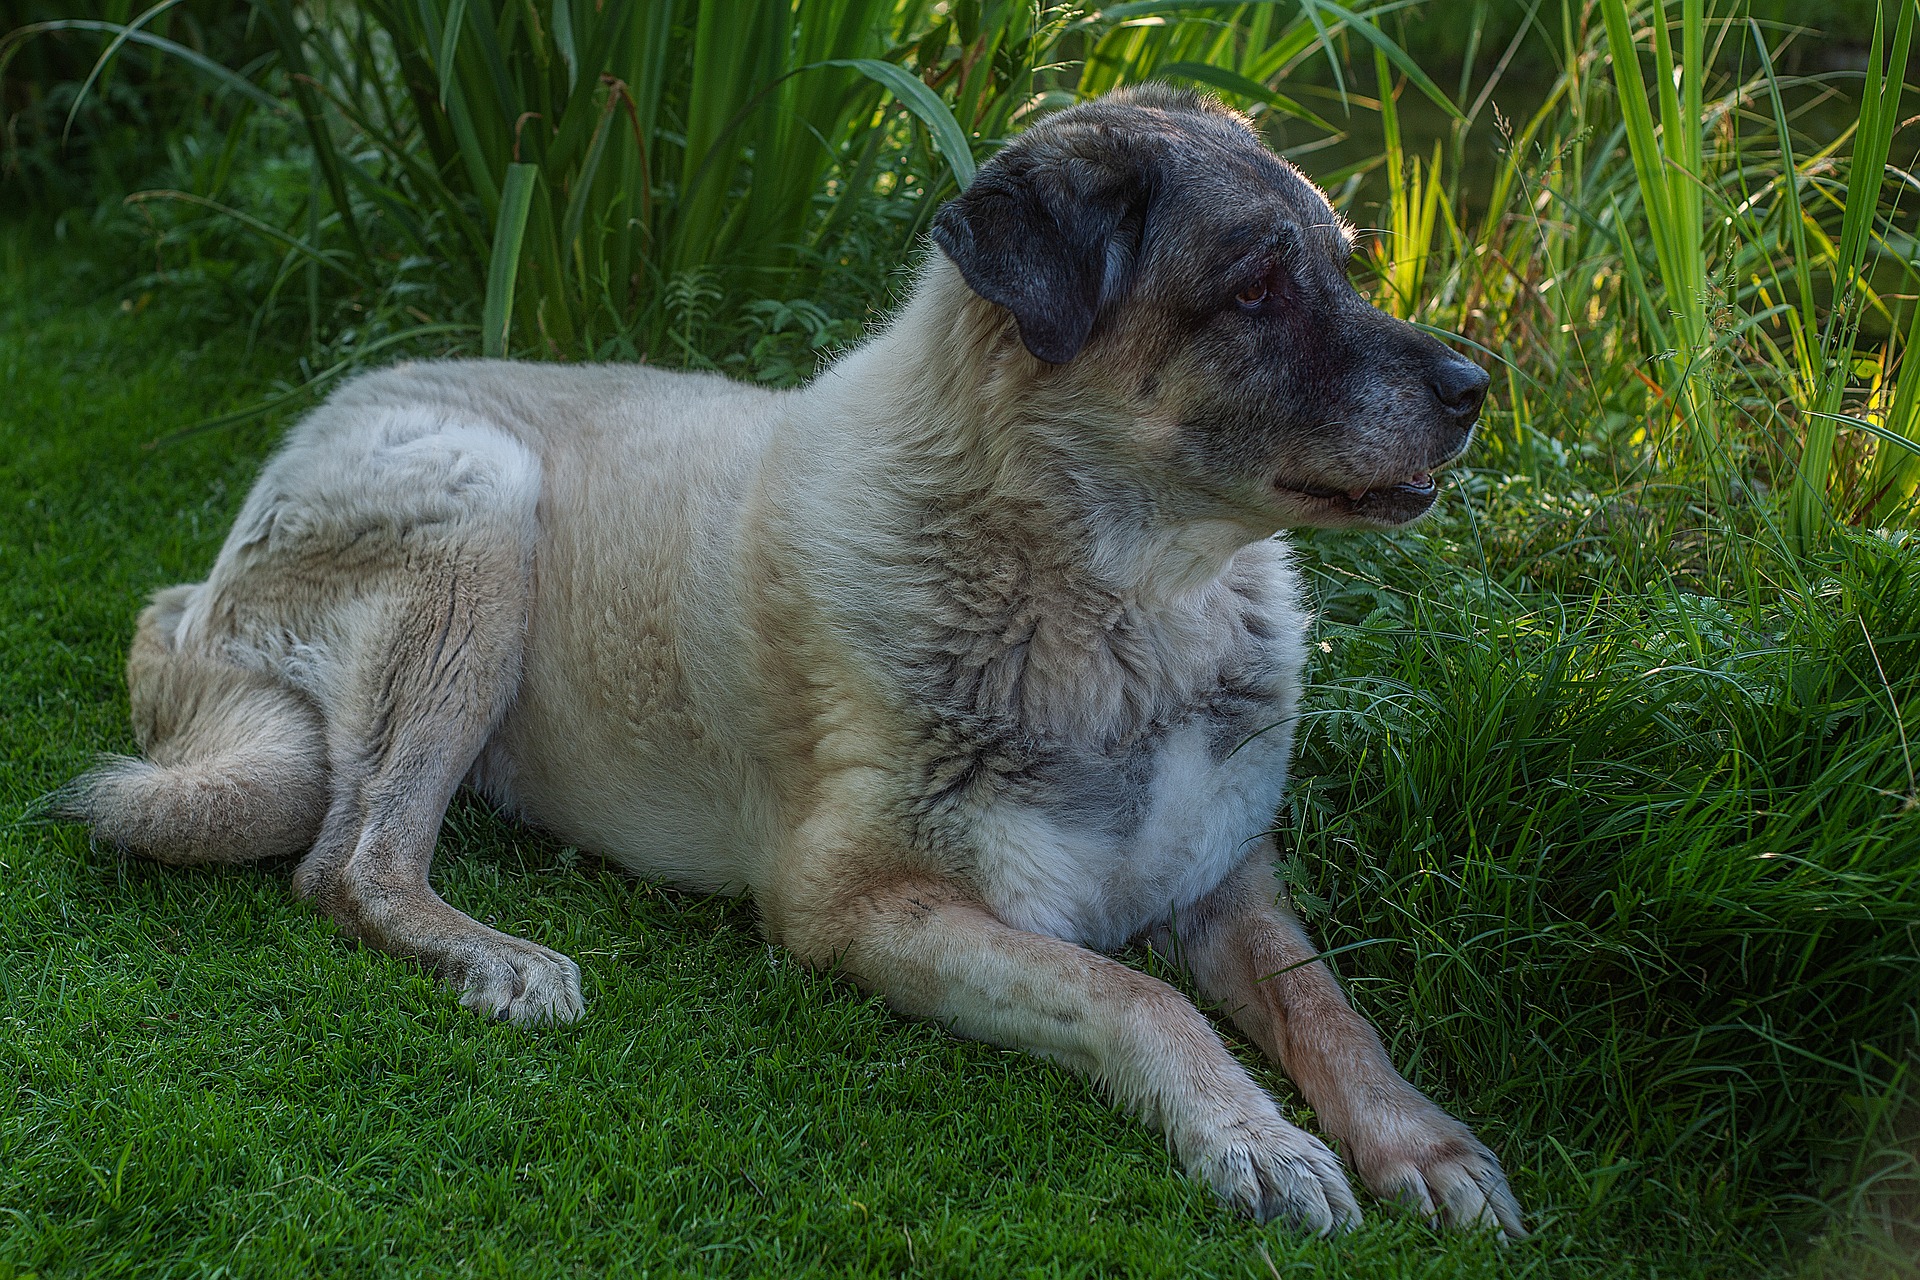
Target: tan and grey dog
[[970, 661]]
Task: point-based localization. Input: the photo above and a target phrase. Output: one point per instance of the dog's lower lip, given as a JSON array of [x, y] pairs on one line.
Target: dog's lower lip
[[1420, 483]]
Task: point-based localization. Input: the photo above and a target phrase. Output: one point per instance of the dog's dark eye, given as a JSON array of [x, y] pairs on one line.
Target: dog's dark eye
[[1252, 296]]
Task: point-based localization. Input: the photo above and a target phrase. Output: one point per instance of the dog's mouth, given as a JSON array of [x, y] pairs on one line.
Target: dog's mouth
[[1405, 499]]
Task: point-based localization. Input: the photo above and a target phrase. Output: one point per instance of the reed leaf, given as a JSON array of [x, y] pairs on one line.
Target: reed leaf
[[1810, 507], [948, 137], [503, 267]]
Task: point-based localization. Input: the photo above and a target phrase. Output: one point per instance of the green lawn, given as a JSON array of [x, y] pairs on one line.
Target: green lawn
[[206, 1078]]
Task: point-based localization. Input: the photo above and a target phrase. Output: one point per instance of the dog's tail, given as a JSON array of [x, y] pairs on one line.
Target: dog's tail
[[235, 761]]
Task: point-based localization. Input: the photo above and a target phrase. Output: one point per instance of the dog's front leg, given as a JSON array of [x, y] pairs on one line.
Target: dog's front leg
[[933, 952], [1249, 952]]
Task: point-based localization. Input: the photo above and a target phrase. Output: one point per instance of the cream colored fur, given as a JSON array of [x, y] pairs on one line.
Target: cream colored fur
[[930, 658]]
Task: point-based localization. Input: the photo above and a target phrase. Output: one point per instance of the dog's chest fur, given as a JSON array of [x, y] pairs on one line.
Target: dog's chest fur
[[1095, 759]]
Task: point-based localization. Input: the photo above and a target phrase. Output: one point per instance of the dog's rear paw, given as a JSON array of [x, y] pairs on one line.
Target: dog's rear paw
[[1425, 1159], [522, 983], [1267, 1169]]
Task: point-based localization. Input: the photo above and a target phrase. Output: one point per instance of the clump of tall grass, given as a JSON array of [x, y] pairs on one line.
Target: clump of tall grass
[[597, 179], [1675, 279], [1669, 810], [1638, 872]]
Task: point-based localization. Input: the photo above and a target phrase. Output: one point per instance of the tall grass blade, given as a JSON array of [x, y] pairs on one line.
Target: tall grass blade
[[1875, 430], [503, 267], [1399, 57], [563, 40], [1810, 507], [1796, 216], [948, 137], [106, 56], [11, 42], [1667, 166], [450, 44], [1892, 483], [1234, 83], [286, 30]]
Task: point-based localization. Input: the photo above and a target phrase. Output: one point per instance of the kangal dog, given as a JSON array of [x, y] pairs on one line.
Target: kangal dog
[[971, 661]]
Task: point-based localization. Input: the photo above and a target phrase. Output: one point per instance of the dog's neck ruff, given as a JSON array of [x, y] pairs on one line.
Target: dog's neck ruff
[[1004, 572], [988, 444]]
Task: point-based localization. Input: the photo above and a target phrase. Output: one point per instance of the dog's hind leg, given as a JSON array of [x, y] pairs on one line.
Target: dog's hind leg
[[414, 675], [407, 714], [1249, 952]]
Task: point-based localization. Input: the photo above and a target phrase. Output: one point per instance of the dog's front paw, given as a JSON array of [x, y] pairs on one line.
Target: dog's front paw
[[1266, 1168], [1422, 1157], [522, 983]]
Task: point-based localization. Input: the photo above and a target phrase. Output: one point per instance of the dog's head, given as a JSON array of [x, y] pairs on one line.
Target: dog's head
[[1148, 246]]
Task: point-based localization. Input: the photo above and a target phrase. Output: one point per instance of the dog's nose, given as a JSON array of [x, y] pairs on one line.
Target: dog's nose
[[1461, 386]]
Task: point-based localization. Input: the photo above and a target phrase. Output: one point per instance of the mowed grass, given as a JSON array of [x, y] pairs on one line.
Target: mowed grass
[[207, 1078]]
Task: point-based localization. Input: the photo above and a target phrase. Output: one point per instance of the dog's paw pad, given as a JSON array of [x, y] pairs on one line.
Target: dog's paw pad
[[1271, 1170], [524, 984]]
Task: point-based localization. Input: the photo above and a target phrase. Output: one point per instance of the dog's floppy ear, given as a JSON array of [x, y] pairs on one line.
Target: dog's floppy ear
[[1048, 241]]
